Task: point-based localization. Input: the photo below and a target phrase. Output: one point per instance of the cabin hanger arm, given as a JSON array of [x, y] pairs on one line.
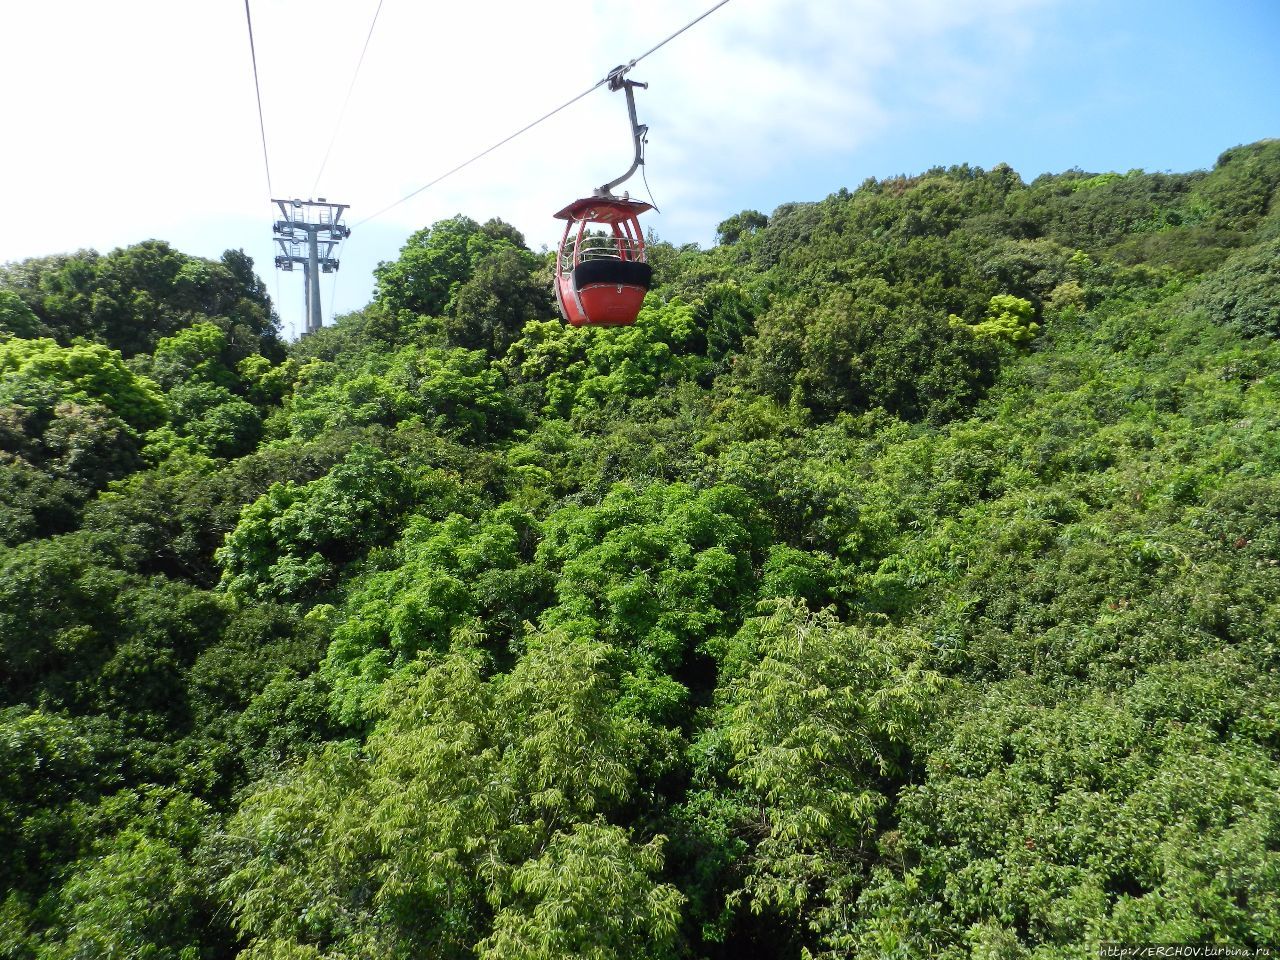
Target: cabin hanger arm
[[618, 81]]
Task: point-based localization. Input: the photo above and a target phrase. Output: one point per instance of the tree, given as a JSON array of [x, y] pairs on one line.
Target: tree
[[1008, 320], [437, 261], [440, 577], [740, 225], [34, 503], [507, 289], [139, 893], [291, 541], [592, 894], [1241, 189], [199, 352], [659, 572], [86, 373], [16, 318], [134, 296], [863, 346], [820, 719], [46, 763], [1245, 291], [574, 371], [454, 391], [468, 794]]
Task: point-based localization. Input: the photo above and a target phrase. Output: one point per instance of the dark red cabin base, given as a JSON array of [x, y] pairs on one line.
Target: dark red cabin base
[[605, 305]]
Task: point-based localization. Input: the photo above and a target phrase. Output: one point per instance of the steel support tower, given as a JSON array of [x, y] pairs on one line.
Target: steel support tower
[[316, 225]]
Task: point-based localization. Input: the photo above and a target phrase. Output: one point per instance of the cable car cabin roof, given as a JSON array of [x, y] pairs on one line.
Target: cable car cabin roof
[[603, 209]]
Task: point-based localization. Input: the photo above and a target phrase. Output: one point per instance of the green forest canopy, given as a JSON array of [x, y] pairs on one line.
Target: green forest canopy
[[905, 583]]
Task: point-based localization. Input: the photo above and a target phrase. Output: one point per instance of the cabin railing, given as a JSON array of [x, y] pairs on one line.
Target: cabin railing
[[603, 248]]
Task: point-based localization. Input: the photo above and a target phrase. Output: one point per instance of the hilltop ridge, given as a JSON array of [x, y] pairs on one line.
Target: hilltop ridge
[[904, 583]]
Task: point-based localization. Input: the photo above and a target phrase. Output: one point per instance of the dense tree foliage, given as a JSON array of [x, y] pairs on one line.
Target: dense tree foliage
[[132, 297], [905, 583], [480, 280]]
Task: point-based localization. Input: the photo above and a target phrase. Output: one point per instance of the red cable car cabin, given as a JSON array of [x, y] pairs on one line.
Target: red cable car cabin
[[601, 280]]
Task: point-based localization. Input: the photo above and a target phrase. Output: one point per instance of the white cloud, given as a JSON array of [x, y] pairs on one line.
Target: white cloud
[[137, 119]]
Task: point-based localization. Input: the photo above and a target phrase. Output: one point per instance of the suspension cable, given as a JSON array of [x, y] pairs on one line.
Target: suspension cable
[[659, 46], [347, 101], [257, 89], [262, 129], [483, 153], [541, 119]]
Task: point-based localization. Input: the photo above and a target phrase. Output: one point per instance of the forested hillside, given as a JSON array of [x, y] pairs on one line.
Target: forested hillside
[[906, 583]]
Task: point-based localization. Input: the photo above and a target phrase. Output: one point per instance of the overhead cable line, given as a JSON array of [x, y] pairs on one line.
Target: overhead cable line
[[546, 116], [483, 153], [655, 49], [257, 89], [262, 125], [346, 102], [337, 127], [648, 189]]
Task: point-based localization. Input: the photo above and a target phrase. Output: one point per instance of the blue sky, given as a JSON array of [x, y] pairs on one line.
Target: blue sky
[[1162, 86], [137, 119]]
